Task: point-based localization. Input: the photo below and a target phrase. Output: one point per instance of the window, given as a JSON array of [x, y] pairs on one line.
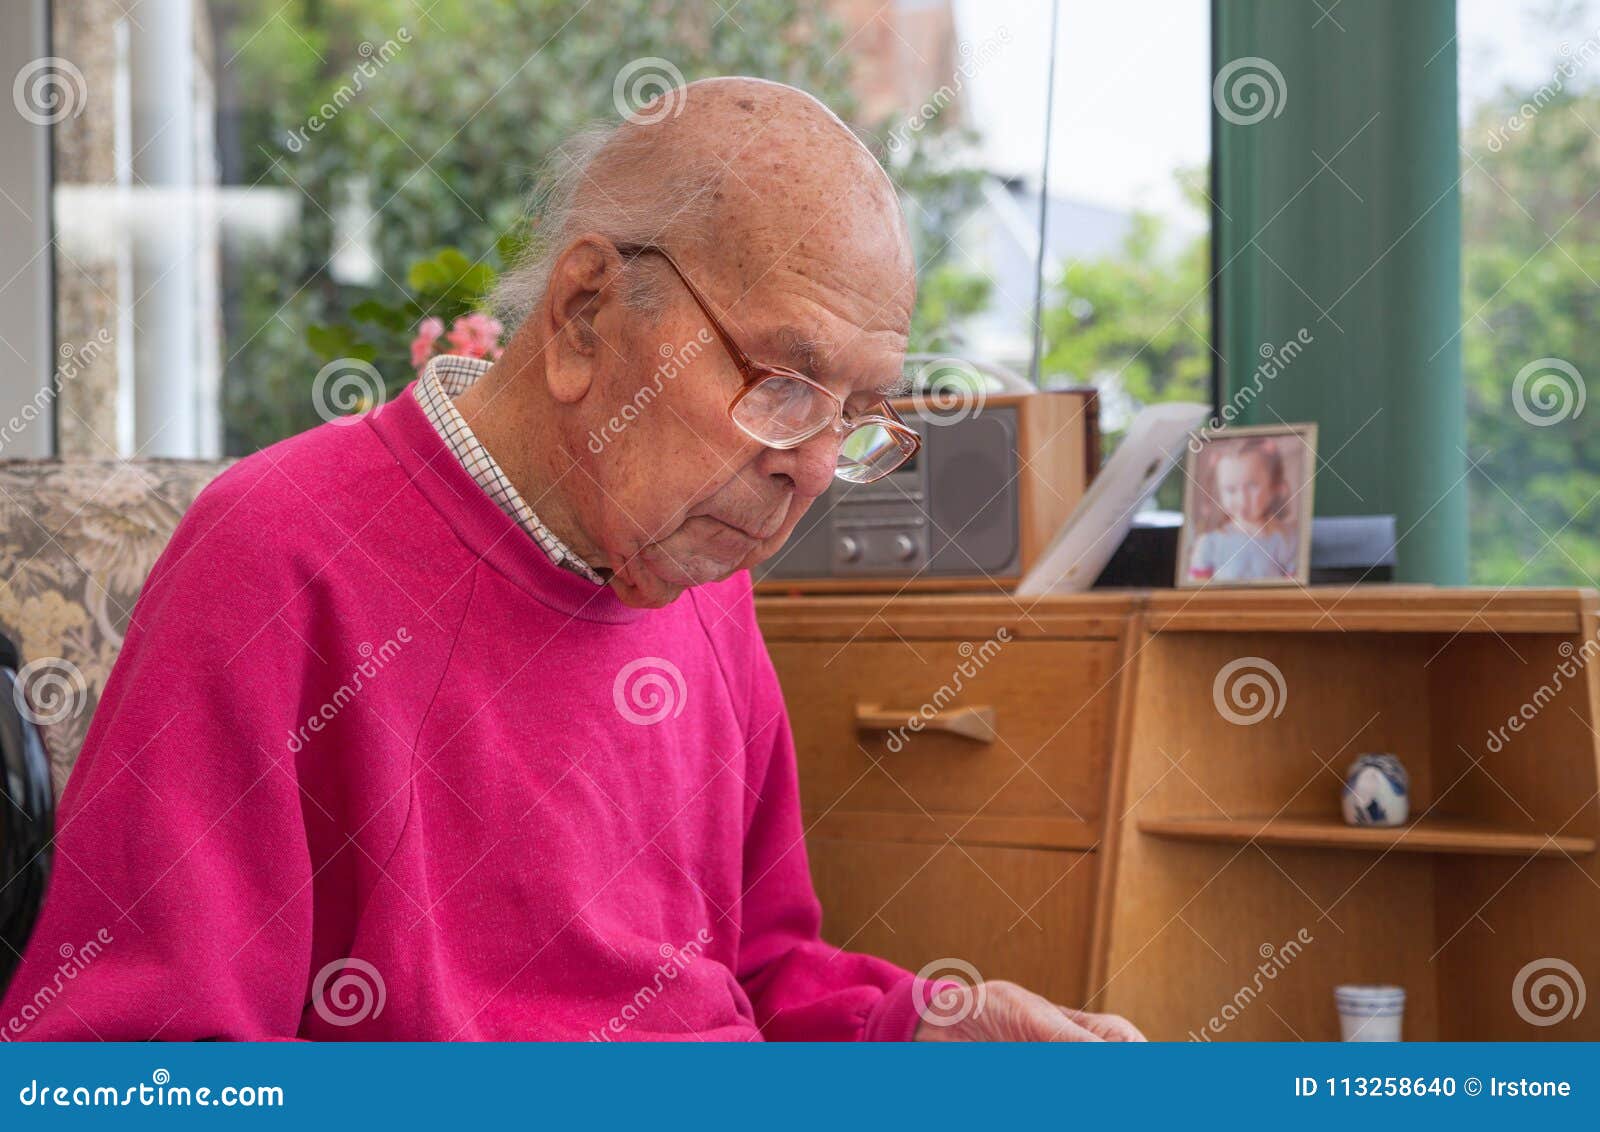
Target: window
[[1530, 162], [250, 191], [1127, 300]]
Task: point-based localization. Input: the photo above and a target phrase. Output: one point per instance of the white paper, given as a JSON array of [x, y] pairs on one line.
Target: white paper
[[1097, 526]]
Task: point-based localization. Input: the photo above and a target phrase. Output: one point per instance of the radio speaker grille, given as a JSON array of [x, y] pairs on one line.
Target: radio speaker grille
[[973, 494]]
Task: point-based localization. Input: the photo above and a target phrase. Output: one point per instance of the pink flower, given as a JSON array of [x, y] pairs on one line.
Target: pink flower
[[428, 331], [476, 336]]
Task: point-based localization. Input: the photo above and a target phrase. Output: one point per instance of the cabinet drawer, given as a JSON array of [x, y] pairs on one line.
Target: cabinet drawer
[[1018, 914], [1045, 756]]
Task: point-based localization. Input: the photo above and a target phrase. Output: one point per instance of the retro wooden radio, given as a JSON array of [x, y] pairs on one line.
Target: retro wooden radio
[[995, 478]]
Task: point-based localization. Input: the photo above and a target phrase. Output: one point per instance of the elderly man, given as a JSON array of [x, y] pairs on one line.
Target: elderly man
[[454, 720]]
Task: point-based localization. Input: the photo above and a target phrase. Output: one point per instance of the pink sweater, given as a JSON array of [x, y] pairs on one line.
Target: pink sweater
[[371, 767]]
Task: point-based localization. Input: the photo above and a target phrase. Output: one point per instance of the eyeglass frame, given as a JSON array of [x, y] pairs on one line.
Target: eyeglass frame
[[754, 373]]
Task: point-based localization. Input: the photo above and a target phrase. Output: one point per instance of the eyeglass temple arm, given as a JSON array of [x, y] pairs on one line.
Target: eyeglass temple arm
[[746, 366]]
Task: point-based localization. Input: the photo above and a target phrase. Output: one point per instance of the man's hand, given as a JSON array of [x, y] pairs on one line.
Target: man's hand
[[998, 1011]]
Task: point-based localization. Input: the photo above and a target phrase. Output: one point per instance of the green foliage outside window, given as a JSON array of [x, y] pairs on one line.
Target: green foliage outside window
[[441, 143], [1531, 260]]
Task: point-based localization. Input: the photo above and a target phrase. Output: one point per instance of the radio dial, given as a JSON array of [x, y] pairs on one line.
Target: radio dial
[[849, 548], [904, 548]]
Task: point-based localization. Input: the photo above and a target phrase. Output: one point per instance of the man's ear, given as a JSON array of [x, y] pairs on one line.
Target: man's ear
[[582, 305]]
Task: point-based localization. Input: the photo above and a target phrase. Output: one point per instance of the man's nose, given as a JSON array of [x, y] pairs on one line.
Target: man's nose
[[809, 466]]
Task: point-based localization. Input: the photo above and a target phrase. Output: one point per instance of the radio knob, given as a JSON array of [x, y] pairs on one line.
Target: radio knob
[[904, 548], [849, 548]]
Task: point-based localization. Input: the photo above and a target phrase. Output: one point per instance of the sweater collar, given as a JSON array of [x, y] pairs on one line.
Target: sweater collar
[[487, 531], [446, 377]]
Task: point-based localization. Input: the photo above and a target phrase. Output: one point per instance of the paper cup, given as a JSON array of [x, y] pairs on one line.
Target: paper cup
[[1370, 1013]]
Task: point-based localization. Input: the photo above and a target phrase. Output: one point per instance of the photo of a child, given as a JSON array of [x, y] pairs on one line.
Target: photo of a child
[[1247, 507]]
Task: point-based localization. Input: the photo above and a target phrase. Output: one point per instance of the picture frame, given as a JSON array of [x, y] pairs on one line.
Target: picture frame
[[1248, 496]]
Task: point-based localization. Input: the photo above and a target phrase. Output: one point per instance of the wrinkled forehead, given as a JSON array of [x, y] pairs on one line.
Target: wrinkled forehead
[[829, 318], [827, 283]]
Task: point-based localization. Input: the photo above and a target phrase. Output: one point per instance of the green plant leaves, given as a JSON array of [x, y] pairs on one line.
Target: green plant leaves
[[329, 342]]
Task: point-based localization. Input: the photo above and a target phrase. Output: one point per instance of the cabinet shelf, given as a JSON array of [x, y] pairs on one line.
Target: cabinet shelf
[[1427, 835]]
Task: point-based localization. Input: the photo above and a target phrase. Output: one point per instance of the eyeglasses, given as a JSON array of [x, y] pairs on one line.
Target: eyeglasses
[[783, 408]]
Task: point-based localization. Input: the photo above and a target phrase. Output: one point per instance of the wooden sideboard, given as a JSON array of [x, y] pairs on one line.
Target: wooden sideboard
[[1131, 800]]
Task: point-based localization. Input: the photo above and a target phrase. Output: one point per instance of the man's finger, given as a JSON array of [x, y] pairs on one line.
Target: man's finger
[[1057, 1025], [1110, 1027]]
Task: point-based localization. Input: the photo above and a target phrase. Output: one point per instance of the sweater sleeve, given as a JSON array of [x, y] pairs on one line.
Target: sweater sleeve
[[179, 904], [801, 987]]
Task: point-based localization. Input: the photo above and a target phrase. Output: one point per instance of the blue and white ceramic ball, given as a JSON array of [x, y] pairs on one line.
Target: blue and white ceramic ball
[[1376, 791]]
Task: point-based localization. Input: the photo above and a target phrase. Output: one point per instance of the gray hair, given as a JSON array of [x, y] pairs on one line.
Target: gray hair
[[616, 180]]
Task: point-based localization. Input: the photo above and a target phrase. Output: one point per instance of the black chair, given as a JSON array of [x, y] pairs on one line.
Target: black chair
[[27, 817]]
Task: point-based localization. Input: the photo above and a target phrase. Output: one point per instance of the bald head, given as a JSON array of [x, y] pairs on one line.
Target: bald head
[[734, 174], [785, 176]]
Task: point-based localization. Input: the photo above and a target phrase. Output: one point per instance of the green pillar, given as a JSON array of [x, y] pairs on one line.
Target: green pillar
[[1362, 254]]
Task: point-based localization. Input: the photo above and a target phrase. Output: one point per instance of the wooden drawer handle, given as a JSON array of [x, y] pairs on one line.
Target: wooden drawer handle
[[975, 723]]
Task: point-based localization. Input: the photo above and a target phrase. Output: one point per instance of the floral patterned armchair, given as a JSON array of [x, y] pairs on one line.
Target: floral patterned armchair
[[77, 539]]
